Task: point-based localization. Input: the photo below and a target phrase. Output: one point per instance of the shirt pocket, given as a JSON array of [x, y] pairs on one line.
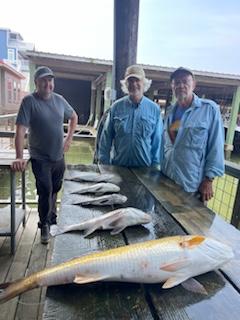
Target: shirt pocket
[[195, 137], [146, 126], [121, 124]]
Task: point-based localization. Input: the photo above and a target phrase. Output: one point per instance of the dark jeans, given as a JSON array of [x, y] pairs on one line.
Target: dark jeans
[[49, 176]]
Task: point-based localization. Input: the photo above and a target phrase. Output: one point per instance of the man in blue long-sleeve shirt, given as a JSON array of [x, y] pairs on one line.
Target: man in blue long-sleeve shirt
[[193, 138], [131, 135]]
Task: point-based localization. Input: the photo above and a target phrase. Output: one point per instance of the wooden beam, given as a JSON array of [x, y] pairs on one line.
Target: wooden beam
[[233, 121], [125, 39]]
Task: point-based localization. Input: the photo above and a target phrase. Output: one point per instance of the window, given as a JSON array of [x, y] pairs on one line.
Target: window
[[14, 91], [19, 92], [9, 91], [11, 55]]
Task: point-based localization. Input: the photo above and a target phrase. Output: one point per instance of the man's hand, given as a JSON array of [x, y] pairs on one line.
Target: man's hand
[[19, 165], [206, 189], [66, 144]]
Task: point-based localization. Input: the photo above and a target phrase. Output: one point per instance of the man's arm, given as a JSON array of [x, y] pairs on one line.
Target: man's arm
[[156, 142], [19, 164], [214, 164], [72, 123]]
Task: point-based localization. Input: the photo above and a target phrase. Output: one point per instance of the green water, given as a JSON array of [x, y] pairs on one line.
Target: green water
[[80, 152]]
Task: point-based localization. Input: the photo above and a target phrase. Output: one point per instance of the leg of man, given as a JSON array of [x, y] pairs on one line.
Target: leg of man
[[58, 169], [42, 172]]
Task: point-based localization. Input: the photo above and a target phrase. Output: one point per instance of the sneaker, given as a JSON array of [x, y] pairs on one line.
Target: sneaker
[[45, 235]]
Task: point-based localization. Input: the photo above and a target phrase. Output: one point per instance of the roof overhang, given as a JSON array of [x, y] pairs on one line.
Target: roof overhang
[[11, 70], [90, 68]]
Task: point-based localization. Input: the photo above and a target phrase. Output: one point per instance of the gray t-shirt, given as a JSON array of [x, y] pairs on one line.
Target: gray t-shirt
[[44, 118]]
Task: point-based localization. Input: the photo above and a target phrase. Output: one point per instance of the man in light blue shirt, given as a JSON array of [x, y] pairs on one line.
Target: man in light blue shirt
[[193, 138], [131, 135]]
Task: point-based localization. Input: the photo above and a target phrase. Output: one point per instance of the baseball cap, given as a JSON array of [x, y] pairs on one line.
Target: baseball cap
[[43, 72], [179, 71], [134, 71]]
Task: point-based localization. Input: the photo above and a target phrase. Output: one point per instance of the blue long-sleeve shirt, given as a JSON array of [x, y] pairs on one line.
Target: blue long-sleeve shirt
[[198, 150], [131, 135]]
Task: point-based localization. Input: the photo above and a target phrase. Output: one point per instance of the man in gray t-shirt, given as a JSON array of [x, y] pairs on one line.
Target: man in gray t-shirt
[[43, 113]]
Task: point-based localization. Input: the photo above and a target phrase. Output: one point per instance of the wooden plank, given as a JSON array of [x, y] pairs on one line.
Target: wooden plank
[[193, 216], [29, 302], [93, 301], [19, 265]]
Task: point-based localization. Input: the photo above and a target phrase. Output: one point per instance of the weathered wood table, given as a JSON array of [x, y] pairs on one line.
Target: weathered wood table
[[10, 228], [173, 213]]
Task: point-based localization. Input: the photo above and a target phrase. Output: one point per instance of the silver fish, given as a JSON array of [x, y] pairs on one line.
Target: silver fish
[[117, 220], [90, 177], [106, 200], [98, 188]]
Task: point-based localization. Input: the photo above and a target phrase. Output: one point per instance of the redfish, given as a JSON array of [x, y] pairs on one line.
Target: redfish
[[171, 260]]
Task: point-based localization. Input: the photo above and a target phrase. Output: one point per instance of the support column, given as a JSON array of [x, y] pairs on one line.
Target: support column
[[32, 68], [98, 105], [107, 91], [232, 123], [125, 39], [93, 104]]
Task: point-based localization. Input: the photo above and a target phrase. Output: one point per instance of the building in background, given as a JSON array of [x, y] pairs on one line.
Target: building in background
[[12, 47], [10, 89]]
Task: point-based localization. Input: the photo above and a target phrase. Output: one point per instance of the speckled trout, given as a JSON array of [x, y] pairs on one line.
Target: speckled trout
[[171, 260]]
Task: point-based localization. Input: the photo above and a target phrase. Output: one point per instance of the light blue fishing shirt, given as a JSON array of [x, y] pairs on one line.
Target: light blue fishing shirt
[[132, 133], [198, 150]]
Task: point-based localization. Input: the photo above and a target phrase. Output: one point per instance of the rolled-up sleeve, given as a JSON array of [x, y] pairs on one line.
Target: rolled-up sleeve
[[214, 164]]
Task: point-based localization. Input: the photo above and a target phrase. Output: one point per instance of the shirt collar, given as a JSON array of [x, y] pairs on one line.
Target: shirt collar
[[196, 103], [135, 104]]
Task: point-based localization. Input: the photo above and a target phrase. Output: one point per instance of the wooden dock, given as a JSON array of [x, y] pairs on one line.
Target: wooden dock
[[30, 256]]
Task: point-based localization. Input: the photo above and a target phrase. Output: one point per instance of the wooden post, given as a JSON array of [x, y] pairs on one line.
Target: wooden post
[[125, 39], [107, 98], [235, 220], [32, 68], [232, 124], [98, 104], [93, 104]]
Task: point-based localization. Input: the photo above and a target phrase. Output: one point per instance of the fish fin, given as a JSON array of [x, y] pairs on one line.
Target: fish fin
[[194, 286], [117, 230], [172, 282], [174, 266], [192, 242], [79, 279], [90, 230], [55, 230], [115, 222]]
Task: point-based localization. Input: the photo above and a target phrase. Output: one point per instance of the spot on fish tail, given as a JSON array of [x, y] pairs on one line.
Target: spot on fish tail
[[192, 242]]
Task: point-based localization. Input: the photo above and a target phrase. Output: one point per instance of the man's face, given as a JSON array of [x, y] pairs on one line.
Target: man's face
[[182, 87], [45, 86], [135, 87]]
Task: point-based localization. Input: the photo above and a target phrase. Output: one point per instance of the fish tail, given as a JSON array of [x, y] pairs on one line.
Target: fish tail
[[55, 230], [10, 290]]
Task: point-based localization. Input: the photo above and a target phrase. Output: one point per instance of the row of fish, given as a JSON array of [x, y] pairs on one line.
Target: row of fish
[[98, 189], [171, 260]]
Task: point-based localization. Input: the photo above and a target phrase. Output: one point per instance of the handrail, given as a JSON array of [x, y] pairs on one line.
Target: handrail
[[11, 134], [8, 116], [232, 169]]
